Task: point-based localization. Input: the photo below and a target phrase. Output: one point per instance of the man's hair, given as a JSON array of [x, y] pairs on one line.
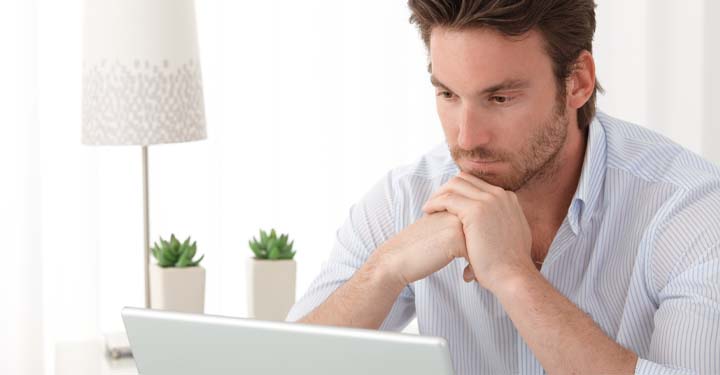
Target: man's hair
[[566, 25]]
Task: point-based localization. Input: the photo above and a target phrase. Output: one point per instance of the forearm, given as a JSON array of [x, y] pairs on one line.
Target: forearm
[[563, 338], [364, 301]]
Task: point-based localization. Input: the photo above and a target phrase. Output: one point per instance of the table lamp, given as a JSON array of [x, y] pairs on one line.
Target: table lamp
[[141, 81]]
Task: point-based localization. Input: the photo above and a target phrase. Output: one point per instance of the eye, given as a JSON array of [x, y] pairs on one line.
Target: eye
[[499, 99], [445, 94]]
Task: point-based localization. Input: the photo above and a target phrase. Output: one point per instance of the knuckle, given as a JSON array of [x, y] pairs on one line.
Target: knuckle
[[487, 198], [498, 191], [456, 179]]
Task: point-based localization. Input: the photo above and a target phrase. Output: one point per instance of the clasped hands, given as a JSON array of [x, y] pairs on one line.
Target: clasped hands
[[497, 235], [466, 218]]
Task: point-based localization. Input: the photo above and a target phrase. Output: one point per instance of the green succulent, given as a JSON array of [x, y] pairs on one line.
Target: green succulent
[[271, 246], [175, 254]]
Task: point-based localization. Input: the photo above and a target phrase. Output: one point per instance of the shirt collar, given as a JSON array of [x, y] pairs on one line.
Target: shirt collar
[[591, 180]]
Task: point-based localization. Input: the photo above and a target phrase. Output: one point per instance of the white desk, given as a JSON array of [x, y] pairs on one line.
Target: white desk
[[89, 358]]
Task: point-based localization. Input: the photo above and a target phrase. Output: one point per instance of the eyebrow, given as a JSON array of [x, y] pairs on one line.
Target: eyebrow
[[508, 84]]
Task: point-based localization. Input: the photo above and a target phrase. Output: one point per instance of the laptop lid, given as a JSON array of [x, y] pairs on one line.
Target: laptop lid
[[166, 342]]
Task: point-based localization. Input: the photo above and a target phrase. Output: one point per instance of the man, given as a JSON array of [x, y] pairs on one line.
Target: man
[[541, 236]]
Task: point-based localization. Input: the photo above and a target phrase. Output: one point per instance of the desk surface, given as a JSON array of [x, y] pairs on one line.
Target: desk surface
[[89, 358]]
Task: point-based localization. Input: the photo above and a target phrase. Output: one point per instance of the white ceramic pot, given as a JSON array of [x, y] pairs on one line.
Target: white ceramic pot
[[177, 288], [270, 288]]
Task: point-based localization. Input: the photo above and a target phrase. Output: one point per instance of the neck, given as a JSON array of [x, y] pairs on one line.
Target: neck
[[546, 201]]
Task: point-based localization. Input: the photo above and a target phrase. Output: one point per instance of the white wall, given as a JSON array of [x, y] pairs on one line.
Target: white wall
[[675, 70], [308, 104], [657, 60], [620, 51], [711, 78]]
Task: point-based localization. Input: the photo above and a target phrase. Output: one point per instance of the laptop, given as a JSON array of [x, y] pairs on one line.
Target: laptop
[[176, 343]]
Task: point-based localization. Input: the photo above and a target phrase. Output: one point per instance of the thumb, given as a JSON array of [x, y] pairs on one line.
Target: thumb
[[468, 274]]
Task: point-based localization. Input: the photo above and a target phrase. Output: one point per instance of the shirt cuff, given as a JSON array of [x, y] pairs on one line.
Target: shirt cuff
[[645, 367]]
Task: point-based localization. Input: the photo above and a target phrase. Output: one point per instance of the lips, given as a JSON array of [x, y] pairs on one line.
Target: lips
[[482, 161], [482, 166]]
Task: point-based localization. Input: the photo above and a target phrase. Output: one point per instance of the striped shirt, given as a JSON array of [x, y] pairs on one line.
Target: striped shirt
[[639, 252]]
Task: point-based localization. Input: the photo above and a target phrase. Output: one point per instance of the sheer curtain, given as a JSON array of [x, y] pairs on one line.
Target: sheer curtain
[[21, 333], [48, 193], [308, 104]]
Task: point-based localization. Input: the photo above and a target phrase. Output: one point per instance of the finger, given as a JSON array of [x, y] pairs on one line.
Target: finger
[[442, 190], [461, 187], [453, 203], [479, 183], [468, 274], [444, 187]]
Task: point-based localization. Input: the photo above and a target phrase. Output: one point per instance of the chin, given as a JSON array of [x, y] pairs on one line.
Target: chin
[[497, 179]]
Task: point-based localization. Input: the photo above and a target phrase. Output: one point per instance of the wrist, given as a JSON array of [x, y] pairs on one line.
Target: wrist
[[382, 269], [512, 280]]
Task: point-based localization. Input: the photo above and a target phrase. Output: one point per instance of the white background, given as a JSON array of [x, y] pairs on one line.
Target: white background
[[308, 105]]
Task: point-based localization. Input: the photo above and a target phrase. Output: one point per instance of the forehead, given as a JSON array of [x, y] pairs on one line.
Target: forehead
[[483, 56]]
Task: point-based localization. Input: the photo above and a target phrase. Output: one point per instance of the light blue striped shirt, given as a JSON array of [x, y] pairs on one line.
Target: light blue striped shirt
[[639, 251]]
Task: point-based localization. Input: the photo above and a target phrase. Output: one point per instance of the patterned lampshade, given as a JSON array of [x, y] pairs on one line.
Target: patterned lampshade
[[141, 73]]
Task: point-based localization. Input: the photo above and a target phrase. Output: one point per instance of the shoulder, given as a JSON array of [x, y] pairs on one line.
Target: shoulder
[[683, 186], [644, 154], [690, 183]]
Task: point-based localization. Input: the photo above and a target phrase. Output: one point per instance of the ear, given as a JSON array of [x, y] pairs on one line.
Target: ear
[[581, 82]]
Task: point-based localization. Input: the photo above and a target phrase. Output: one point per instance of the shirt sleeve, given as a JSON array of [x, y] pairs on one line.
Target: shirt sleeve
[[686, 339], [369, 224]]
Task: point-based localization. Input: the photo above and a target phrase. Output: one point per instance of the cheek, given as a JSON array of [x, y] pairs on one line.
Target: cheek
[[518, 113], [448, 120], [520, 120]]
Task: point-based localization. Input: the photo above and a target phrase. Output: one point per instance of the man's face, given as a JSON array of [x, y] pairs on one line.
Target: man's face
[[498, 104]]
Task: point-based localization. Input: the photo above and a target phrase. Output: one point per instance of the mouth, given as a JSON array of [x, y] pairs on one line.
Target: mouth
[[481, 166], [482, 162]]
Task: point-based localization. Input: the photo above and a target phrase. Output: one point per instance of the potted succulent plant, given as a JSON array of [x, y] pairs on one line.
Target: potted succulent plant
[[177, 282], [271, 277]]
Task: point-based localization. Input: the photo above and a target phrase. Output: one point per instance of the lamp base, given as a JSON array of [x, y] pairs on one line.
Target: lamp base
[[117, 345]]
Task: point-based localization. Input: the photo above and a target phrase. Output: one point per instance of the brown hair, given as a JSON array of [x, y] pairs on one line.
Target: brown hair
[[567, 26]]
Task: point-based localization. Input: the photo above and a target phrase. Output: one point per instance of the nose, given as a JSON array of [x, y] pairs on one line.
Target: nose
[[472, 133]]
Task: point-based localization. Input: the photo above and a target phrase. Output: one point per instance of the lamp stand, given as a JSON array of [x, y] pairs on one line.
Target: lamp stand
[[146, 225], [116, 343]]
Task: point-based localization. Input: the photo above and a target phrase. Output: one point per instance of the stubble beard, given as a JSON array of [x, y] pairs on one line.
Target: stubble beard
[[537, 162]]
